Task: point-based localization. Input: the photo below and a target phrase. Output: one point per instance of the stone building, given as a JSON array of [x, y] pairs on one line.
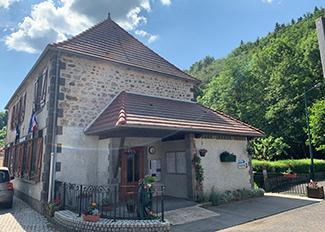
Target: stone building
[[102, 108]]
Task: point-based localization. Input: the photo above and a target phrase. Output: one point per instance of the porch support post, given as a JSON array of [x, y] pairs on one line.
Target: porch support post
[[189, 139]]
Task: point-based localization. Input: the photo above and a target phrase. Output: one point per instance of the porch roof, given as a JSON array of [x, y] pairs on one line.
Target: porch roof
[[134, 111]]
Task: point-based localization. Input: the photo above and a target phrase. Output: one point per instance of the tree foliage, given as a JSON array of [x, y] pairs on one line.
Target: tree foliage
[[261, 82], [317, 124], [3, 131], [269, 148]]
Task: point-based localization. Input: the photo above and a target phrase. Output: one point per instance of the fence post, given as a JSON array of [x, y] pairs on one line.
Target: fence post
[[265, 180], [115, 202], [80, 200], [162, 204], [63, 196]]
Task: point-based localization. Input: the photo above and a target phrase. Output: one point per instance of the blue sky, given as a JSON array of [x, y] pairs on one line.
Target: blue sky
[[182, 31]]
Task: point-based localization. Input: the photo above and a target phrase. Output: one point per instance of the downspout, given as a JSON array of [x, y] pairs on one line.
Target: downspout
[[54, 130]]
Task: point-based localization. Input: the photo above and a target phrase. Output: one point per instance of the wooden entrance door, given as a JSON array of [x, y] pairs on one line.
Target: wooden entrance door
[[132, 170]]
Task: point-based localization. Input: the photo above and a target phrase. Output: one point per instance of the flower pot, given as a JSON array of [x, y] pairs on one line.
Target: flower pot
[[90, 218], [203, 152], [315, 192], [290, 175]]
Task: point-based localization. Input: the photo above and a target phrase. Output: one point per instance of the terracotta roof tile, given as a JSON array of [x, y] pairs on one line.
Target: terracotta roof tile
[[109, 41], [139, 111]]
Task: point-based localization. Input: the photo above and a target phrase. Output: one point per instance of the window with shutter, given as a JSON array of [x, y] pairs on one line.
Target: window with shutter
[[38, 159], [44, 89], [12, 122], [29, 157], [23, 109]]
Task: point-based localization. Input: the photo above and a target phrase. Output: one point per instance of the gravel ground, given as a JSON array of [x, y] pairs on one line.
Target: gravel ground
[[23, 218]]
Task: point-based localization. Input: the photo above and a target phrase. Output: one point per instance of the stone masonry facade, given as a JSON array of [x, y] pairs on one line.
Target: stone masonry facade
[[88, 86]]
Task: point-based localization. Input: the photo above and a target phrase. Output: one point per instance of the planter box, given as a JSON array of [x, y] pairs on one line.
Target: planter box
[[227, 157], [315, 193], [90, 218], [290, 175]]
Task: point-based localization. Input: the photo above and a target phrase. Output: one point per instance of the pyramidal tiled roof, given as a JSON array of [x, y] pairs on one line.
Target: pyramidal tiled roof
[[139, 111], [109, 41]]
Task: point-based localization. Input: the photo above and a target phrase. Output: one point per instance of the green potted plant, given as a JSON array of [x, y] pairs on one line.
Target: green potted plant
[[314, 191], [92, 213]]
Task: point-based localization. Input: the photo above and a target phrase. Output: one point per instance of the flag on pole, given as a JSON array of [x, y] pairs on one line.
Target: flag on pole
[[32, 123]]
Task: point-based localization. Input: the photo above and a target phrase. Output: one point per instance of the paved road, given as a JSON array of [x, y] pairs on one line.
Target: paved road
[[22, 218], [307, 219], [237, 213]]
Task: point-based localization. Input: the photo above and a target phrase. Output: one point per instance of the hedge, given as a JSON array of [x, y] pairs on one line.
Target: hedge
[[297, 166]]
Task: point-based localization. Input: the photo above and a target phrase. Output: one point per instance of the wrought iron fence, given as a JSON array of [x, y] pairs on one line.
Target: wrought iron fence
[[141, 203]]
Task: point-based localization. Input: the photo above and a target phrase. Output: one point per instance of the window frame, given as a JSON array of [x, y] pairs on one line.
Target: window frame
[[176, 164]]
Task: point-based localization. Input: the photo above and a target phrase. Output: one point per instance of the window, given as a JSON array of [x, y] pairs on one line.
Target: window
[[18, 112], [40, 88], [133, 167], [176, 162], [24, 160]]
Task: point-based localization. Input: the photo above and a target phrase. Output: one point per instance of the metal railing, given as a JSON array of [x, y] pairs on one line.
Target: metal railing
[[113, 201]]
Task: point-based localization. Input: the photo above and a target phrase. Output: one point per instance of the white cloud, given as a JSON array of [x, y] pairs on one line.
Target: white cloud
[[166, 2], [6, 3], [49, 23], [268, 1], [151, 38]]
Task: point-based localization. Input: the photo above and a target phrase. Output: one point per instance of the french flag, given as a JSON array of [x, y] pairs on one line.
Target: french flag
[[32, 124]]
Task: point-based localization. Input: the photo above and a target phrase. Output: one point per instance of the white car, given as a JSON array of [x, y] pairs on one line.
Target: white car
[[6, 188]]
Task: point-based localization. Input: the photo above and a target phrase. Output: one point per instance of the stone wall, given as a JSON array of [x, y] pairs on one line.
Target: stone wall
[[224, 176], [90, 85], [68, 221]]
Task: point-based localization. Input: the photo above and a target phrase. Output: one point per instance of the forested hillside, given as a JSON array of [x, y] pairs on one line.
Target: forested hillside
[[262, 82], [3, 122]]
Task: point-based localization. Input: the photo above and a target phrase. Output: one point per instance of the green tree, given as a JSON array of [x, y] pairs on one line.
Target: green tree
[[269, 148], [317, 124], [3, 131], [261, 82], [3, 119]]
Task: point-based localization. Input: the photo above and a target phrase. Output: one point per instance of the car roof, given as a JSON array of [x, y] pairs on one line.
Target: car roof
[[4, 169]]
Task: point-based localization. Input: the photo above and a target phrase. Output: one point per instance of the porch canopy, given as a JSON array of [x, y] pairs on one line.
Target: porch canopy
[[131, 114]]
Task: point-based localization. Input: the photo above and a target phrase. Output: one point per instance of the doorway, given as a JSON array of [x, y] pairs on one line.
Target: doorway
[[132, 170]]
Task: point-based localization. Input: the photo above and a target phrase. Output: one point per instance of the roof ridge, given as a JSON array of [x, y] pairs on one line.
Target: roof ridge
[[232, 118], [122, 118]]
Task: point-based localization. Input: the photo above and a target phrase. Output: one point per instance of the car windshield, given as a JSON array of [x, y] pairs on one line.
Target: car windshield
[[4, 176]]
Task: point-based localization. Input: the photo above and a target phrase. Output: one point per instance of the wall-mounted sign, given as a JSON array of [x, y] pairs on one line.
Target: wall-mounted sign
[[241, 164]]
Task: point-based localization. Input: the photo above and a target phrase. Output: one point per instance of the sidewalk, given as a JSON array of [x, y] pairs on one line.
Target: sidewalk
[[23, 218], [237, 213]]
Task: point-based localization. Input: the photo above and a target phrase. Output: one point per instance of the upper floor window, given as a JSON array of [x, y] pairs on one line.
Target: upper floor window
[[18, 112], [40, 89]]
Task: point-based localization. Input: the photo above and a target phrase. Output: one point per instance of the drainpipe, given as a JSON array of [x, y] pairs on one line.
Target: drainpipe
[[49, 198], [53, 153]]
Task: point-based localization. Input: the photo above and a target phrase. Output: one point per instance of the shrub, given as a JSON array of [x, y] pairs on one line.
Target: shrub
[[297, 166], [217, 198]]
